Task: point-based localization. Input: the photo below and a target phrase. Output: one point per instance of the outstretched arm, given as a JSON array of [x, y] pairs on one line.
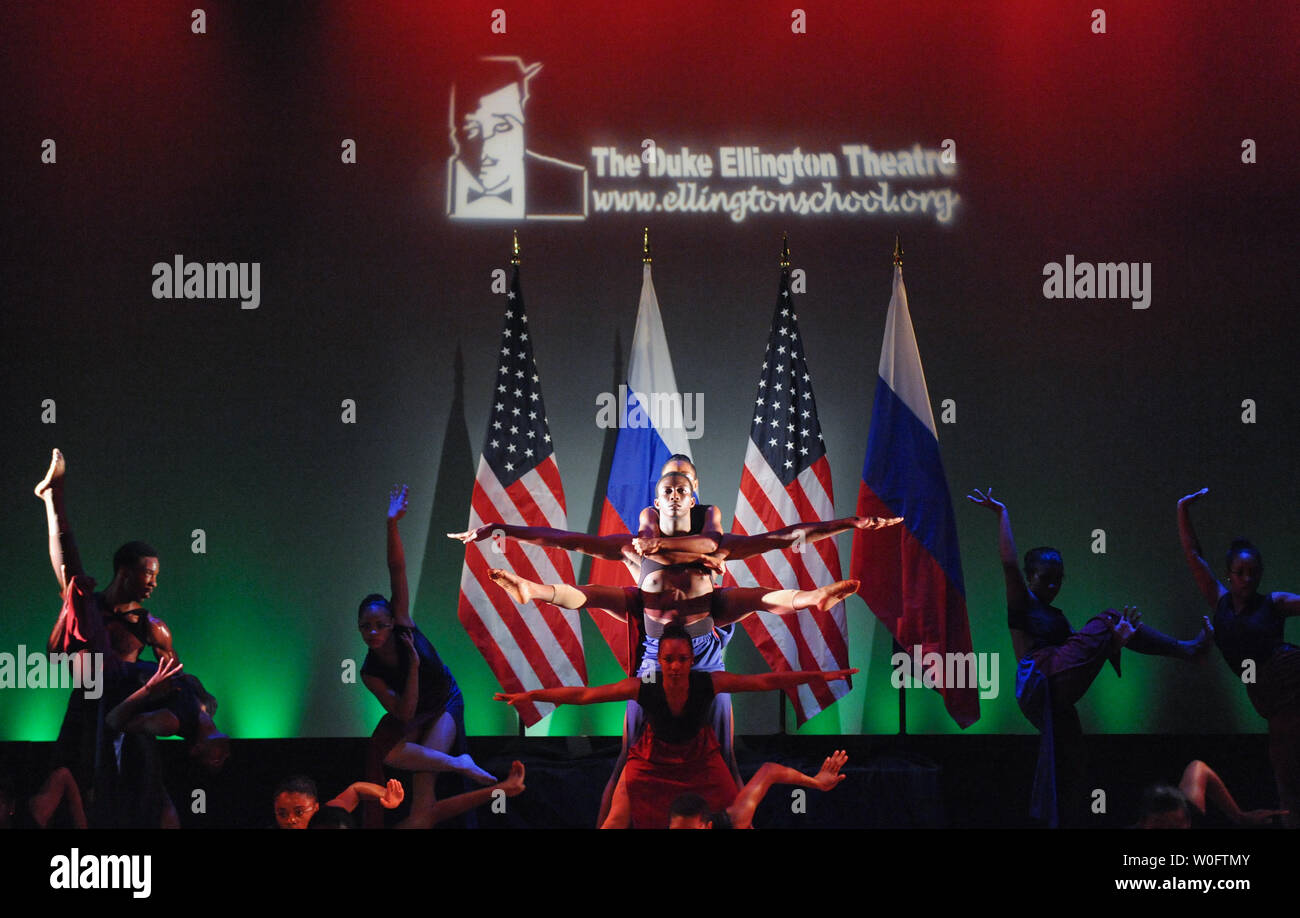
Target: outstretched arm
[[736, 547], [1202, 573], [624, 690], [389, 796], [1018, 599], [764, 682], [741, 812], [610, 547], [397, 499]]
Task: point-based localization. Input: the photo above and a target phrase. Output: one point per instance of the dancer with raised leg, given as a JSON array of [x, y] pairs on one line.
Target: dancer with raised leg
[[1248, 629], [1058, 664]]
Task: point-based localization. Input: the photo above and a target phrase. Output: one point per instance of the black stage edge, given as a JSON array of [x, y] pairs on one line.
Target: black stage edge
[[917, 781]]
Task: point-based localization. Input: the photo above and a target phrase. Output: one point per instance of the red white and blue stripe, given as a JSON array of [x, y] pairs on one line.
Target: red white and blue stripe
[[640, 451], [911, 574]]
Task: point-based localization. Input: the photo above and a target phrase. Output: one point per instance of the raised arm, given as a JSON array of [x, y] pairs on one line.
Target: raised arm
[[401, 601], [137, 713], [765, 682], [736, 547], [1201, 785], [1018, 599], [624, 690], [741, 812], [1202, 573], [388, 796], [610, 548]]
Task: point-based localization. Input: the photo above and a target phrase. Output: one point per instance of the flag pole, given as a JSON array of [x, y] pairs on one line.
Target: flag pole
[[514, 260], [898, 648], [780, 696]]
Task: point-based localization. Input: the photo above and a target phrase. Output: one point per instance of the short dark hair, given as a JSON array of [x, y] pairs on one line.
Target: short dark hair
[[1043, 556], [667, 475], [674, 632], [1243, 547], [1163, 798], [129, 555], [374, 599], [297, 784]]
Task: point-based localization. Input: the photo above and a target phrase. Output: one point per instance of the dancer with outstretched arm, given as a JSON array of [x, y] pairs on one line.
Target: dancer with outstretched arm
[[1248, 629], [1059, 664]]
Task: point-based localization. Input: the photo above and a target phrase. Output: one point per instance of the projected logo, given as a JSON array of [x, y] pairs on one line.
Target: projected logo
[[491, 174]]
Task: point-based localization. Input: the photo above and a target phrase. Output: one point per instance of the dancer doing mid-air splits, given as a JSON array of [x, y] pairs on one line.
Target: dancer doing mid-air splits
[[677, 752], [1248, 629], [1058, 664], [423, 730]]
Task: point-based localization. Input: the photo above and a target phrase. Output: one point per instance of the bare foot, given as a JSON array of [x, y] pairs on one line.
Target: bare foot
[[54, 476], [466, 766], [826, 597], [513, 785], [521, 591]]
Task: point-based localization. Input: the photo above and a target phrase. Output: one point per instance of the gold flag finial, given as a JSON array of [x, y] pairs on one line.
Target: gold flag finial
[[514, 259], [898, 252], [645, 245], [785, 250]]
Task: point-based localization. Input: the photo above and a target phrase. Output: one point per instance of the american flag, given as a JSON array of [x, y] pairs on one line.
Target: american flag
[[787, 480], [537, 645]]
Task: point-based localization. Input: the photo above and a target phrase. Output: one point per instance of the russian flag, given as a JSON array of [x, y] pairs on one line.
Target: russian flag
[[649, 433], [911, 574]]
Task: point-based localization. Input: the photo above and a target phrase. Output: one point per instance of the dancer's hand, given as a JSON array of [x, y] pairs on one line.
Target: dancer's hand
[[472, 535], [164, 678], [408, 639], [393, 796], [986, 500], [1200, 646], [397, 502], [836, 675], [644, 546], [830, 776], [1193, 497], [512, 698], [1127, 625], [875, 522]]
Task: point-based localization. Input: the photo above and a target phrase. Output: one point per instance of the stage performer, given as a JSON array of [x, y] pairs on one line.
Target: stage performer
[[677, 752], [673, 561], [423, 730], [1248, 628], [691, 811], [1058, 664]]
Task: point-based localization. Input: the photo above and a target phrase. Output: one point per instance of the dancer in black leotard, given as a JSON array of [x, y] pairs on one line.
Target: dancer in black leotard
[[1248, 628], [424, 729], [1058, 664]]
